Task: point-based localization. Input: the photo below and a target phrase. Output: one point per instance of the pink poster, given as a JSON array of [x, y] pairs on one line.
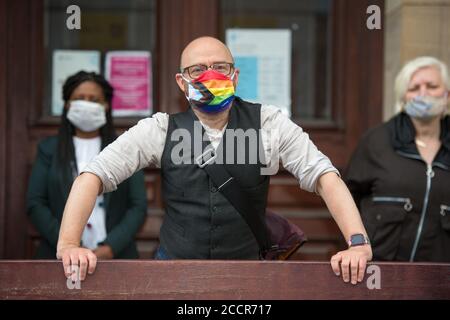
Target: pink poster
[[130, 74]]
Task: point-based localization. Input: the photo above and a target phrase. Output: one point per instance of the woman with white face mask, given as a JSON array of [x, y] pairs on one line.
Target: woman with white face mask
[[400, 173], [86, 128]]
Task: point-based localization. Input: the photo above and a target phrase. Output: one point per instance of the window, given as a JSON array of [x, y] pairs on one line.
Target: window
[[106, 25], [309, 23]]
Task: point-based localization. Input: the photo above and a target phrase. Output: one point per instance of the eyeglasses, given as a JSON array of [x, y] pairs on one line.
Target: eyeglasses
[[195, 71]]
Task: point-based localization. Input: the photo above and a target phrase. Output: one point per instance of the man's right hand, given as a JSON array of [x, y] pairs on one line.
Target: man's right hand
[[84, 260]]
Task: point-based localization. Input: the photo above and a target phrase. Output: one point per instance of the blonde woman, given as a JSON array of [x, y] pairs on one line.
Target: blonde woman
[[399, 175]]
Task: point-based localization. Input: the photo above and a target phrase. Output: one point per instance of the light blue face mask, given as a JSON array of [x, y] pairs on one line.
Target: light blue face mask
[[426, 107]]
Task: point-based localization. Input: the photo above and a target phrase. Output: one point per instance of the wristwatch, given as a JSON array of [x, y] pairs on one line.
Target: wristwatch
[[358, 240]]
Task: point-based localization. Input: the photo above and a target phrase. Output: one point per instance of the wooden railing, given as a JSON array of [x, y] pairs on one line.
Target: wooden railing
[[189, 279]]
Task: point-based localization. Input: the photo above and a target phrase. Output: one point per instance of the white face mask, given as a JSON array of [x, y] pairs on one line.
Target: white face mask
[[86, 116]]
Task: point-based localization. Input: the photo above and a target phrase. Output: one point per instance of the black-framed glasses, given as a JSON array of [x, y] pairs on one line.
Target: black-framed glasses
[[196, 70]]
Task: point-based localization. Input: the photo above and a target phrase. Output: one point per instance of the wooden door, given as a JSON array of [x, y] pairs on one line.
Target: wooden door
[[355, 95]]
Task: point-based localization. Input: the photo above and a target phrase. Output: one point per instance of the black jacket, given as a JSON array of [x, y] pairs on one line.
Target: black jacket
[[405, 205], [47, 194]]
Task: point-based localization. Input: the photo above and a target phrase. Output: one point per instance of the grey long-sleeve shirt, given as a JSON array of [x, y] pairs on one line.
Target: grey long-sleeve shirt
[[143, 145]]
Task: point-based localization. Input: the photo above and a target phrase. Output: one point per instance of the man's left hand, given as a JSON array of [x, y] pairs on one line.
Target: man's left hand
[[353, 262]]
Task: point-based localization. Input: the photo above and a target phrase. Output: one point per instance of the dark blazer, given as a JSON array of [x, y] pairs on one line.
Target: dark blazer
[[405, 205], [47, 194]]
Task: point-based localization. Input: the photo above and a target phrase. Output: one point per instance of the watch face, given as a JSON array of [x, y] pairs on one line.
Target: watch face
[[357, 239]]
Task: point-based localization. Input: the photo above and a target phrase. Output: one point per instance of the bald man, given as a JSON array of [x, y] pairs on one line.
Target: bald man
[[200, 220]]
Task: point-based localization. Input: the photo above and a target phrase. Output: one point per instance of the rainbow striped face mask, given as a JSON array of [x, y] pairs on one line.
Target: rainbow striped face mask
[[211, 92]]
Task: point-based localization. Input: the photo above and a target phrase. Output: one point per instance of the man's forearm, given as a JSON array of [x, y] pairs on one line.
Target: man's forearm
[[79, 206], [341, 205]]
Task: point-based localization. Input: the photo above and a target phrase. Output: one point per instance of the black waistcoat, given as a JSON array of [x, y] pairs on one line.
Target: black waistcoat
[[200, 223]]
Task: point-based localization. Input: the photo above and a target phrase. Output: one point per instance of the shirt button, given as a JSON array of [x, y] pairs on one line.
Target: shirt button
[[213, 189], [214, 209], [378, 217]]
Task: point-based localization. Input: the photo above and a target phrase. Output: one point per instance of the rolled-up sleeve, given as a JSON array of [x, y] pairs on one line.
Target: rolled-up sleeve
[[140, 146], [297, 152]]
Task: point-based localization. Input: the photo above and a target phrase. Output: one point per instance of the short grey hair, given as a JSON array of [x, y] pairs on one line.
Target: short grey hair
[[408, 70]]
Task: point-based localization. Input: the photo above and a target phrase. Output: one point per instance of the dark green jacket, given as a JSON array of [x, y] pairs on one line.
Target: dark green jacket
[[47, 194]]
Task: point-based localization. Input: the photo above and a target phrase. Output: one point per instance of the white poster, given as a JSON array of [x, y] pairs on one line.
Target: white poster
[[65, 64], [264, 59]]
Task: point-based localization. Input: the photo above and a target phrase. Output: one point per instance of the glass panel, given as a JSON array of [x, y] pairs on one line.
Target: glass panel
[[106, 25], [310, 25]]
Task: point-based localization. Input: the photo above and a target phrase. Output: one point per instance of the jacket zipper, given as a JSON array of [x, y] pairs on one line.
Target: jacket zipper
[[443, 209], [407, 201], [430, 175]]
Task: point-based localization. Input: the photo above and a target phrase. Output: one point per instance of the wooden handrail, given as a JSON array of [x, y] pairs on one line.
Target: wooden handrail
[[206, 279]]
